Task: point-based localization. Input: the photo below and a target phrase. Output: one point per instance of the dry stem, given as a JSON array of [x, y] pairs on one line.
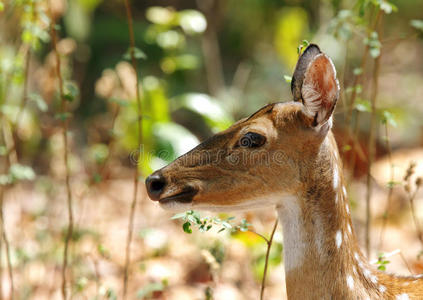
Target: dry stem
[[411, 198], [269, 242], [63, 110], [372, 137], [390, 187], [136, 172], [4, 237]]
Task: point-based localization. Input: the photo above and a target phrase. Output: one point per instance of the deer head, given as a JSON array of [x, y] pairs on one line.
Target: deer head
[[259, 160]]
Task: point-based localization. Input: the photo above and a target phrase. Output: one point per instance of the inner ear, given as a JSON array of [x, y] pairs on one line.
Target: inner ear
[[320, 89], [300, 69]]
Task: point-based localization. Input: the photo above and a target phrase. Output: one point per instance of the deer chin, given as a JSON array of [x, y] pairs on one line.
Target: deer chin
[[248, 204]]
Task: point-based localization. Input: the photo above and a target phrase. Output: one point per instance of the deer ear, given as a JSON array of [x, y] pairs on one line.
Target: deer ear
[[300, 69], [320, 89]]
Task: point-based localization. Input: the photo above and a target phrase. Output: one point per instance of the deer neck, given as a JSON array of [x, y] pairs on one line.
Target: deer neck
[[322, 258]]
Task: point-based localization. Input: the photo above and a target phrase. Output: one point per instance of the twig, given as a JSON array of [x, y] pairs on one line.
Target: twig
[[136, 172], [405, 262], [63, 110], [372, 138], [266, 262], [7, 246], [210, 46], [353, 134], [411, 198], [390, 187], [1, 268], [3, 228]]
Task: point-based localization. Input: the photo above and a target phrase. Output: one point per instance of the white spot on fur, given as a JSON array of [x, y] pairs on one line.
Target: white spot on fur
[[402, 297], [338, 239], [373, 279], [366, 273], [356, 256], [350, 282], [347, 208], [382, 288], [294, 238], [335, 178], [349, 228], [344, 190], [336, 198]]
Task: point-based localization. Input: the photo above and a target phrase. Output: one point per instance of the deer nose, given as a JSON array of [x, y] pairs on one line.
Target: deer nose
[[155, 184]]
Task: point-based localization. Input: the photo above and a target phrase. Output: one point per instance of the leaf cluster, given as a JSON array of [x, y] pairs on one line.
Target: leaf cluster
[[192, 218]]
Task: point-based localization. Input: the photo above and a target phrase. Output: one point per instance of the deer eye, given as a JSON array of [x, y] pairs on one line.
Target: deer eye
[[251, 140]]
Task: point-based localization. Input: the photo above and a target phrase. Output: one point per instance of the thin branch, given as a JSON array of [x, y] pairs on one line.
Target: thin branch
[[63, 110], [390, 187], [136, 171], [411, 198], [210, 46], [405, 262], [372, 136], [266, 262], [4, 237], [353, 134], [7, 246]]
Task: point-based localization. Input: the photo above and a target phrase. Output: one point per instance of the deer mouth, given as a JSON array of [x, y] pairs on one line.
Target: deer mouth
[[185, 196]]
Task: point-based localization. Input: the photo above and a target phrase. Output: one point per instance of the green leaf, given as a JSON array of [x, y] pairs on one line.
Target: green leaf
[[374, 44], [391, 184], [138, 54], [363, 105], [418, 24], [388, 117], [357, 71], [187, 227], [193, 219], [346, 148], [381, 267], [161, 15], [302, 46], [287, 78], [1, 6], [39, 101], [387, 7], [62, 116], [358, 89], [226, 225], [374, 52], [192, 21], [21, 172], [70, 91], [97, 178], [5, 179], [178, 216]]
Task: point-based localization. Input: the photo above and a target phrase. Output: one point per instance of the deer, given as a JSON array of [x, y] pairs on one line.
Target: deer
[[284, 156]]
